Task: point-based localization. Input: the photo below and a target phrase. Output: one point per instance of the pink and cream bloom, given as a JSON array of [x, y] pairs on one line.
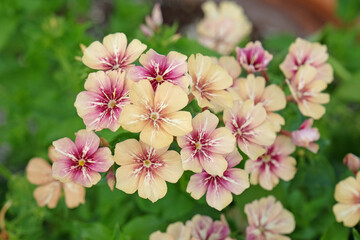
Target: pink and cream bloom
[[253, 58], [209, 82], [153, 22], [82, 160], [204, 147], [204, 228], [347, 194], [175, 231], [248, 123], [101, 104], [156, 114], [353, 162], [268, 220], [274, 164], [306, 91], [303, 52], [113, 53], [272, 97], [219, 188], [305, 136], [49, 190], [223, 26], [146, 169], [160, 68]]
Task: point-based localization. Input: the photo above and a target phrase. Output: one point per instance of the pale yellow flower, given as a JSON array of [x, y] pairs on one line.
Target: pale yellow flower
[[175, 231]]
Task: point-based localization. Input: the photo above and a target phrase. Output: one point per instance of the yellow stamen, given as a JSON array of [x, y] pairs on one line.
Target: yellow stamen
[[159, 78], [81, 162], [112, 104], [266, 158], [147, 163], [154, 116], [198, 145]]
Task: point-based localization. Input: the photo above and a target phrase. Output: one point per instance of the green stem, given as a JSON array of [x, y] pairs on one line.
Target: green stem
[[5, 172]]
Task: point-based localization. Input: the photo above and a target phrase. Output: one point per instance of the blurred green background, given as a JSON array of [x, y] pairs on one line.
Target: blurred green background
[[40, 77]]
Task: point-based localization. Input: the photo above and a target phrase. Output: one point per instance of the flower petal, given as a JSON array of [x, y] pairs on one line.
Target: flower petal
[[38, 171], [152, 186], [197, 185], [101, 161], [172, 171], [133, 118], [87, 142], [127, 178], [170, 98], [155, 136], [126, 152], [218, 197], [74, 194], [177, 123], [48, 194]]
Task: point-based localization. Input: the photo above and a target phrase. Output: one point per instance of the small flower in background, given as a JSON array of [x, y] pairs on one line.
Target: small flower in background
[[159, 69], [38, 172], [248, 124], [268, 220], [353, 162], [204, 228], [204, 147], [274, 164], [208, 82], [101, 104], [110, 179], [81, 161], [152, 23], [156, 115], [145, 169], [223, 26], [306, 91], [219, 188], [303, 52], [113, 53], [253, 58], [175, 231], [272, 97], [306, 136], [347, 194]]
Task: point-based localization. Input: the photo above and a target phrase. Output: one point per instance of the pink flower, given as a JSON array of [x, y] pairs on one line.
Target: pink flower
[[253, 58], [203, 148], [248, 124], [146, 169], [306, 90], [306, 136], [113, 53], [81, 161], [353, 162], [159, 69], [219, 188], [303, 52], [268, 220], [101, 105], [274, 164], [175, 231], [152, 23], [204, 228]]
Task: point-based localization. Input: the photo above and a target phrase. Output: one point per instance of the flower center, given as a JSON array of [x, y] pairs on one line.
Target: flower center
[[112, 104], [154, 116], [198, 145], [147, 163], [159, 78], [115, 67], [239, 132], [266, 158], [81, 162]]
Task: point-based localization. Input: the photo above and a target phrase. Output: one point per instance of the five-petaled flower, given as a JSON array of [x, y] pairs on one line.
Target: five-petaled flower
[[113, 53], [274, 164], [203, 148], [253, 58], [156, 115], [219, 188], [159, 69], [249, 125], [101, 104], [305, 136], [145, 169], [268, 220], [81, 161]]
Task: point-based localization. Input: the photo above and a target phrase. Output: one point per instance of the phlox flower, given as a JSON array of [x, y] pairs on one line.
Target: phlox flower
[[274, 164], [145, 169], [268, 220], [101, 104], [306, 90], [352, 161], [347, 194], [208, 82], [113, 53], [303, 52], [175, 231], [81, 161], [153, 22], [272, 97], [219, 188], [159, 69], [223, 26], [156, 115], [38, 172], [305, 136], [253, 58], [248, 124], [203, 148]]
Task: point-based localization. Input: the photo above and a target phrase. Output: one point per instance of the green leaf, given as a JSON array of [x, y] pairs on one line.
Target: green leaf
[[142, 227], [356, 234], [336, 231]]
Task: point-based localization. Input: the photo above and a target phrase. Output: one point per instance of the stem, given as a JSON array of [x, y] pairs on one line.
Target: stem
[[191, 97], [339, 69], [5, 172], [290, 98], [2, 215], [286, 133], [203, 109], [265, 75]]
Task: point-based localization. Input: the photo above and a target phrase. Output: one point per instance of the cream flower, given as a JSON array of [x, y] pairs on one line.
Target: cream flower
[[175, 231], [347, 193], [145, 169], [156, 115]]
